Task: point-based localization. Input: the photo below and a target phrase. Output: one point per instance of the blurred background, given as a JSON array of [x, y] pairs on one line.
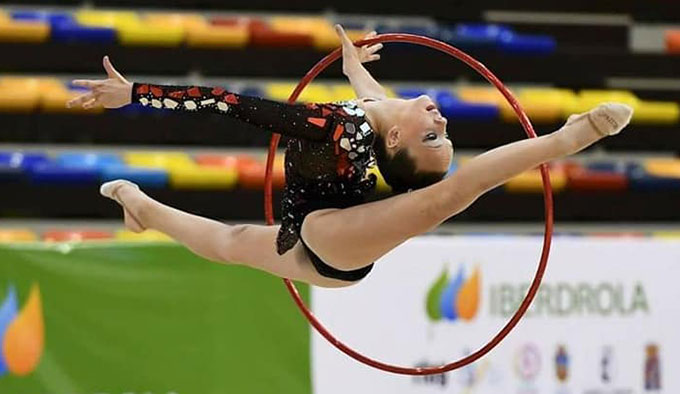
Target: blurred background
[[88, 307]]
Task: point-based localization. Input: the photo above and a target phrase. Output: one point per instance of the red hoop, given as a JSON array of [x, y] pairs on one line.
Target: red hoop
[[547, 194]]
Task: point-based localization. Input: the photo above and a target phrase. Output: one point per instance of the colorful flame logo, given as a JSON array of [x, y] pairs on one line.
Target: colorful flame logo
[[22, 333], [454, 299]]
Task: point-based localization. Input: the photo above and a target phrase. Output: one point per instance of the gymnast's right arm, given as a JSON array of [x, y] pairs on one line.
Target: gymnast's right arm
[[295, 120]]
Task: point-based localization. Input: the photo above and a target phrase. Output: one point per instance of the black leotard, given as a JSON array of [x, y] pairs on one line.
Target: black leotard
[[327, 156]]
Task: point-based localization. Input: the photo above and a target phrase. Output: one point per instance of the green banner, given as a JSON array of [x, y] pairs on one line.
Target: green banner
[[112, 318]]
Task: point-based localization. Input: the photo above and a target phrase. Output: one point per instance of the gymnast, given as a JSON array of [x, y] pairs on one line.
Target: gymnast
[[330, 235]]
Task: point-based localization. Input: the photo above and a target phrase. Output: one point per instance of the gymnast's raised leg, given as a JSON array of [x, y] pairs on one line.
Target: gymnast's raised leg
[[375, 228]]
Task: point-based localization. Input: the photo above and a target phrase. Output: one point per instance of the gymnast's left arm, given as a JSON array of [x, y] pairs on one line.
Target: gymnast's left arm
[[363, 83]]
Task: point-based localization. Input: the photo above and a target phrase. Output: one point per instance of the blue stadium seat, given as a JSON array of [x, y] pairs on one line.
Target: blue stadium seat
[[472, 112], [527, 44], [452, 107], [474, 35], [23, 161], [455, 109], [606, 166], [408, 93], [640, 179], [142, 176], [88, 160], [50, 17], [68, 30], [253, 91], [452, 168], [53, 173]]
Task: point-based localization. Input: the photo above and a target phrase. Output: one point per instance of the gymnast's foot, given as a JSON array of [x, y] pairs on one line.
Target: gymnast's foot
[[607, 118], [583, 130], [122, 191]]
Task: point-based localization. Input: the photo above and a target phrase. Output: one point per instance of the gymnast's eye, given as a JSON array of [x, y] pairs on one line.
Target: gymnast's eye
[[431, 137]]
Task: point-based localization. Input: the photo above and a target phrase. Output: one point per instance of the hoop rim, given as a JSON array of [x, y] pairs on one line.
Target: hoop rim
[[547, 195]]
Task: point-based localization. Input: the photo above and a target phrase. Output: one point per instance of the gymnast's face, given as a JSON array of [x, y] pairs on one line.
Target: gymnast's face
[[420, 129]]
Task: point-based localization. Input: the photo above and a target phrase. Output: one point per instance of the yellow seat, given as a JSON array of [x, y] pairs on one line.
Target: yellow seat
[[461, 159], [55, 101], [23, 31], [53, 96], [381, 185], [151, 34], [112, 19], [146, 236], [656, 112], [389, 92], [589, 99], [178, 25], [480, 95], [201, 34], [294, 24], [19, 94], [663, 167], [531, 181], [17, 235], [132, 29], [670, 234], [545, 105], [320, 29], [163, 160], [342, 92], [325, 40], [314, 93], [176, 20], [203, 177]]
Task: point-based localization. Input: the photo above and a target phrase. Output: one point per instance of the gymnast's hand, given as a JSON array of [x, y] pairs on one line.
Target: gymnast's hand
[[353, 55], [113, 92]]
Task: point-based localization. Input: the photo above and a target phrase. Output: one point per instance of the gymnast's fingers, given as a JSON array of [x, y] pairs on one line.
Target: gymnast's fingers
[[111, 71], [87, 83], [371, 34], [372, 58], [343, 36], [374, 48], [80, 100], [90, 103]]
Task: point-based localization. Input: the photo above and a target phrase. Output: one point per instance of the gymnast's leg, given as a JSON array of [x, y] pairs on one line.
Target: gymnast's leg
[[375, 228], [250, 245]]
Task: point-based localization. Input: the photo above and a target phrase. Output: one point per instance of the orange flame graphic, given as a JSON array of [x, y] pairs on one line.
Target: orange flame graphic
[[25, 337]]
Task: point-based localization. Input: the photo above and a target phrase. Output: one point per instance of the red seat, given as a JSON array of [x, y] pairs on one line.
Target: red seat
[[75, 235], [212, 160], [251, 173], [673, 41], [580, 178], [261, 34]]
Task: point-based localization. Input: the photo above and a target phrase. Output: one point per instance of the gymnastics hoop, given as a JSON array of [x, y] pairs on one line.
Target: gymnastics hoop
[[547, 195]]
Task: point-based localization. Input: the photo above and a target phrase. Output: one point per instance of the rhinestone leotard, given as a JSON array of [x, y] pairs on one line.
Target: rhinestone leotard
[[328, 154]]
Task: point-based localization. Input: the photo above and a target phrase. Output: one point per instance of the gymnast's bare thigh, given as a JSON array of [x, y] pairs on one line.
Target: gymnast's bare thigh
[[255, 246]]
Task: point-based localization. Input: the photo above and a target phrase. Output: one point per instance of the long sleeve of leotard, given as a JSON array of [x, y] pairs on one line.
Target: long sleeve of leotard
[[305, 121]]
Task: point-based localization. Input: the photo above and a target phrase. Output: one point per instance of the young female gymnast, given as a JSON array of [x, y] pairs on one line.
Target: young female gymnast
[[329, 235]]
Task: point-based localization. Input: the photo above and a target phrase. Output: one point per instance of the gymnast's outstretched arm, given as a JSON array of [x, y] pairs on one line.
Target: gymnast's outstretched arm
[[305, 121], [363, 83]]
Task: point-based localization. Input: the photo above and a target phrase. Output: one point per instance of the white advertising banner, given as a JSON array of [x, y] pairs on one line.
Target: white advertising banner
[[606, 319]]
